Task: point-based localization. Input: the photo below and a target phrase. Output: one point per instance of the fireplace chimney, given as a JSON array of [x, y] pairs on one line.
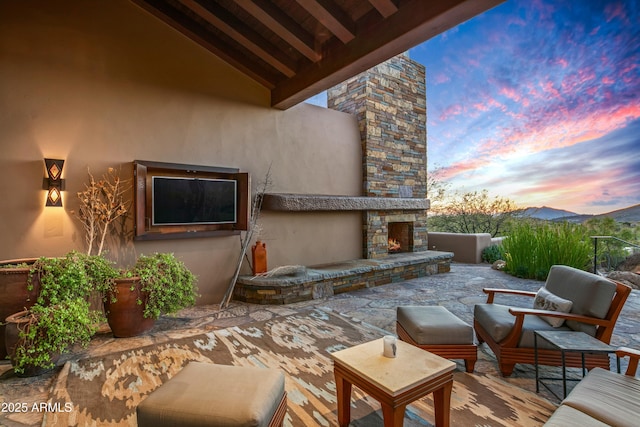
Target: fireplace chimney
[[389, 101]]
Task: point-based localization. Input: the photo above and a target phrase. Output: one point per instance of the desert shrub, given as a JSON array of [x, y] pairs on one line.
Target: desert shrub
[[615, 240], [471, 212], [531, 249], [492, 253]]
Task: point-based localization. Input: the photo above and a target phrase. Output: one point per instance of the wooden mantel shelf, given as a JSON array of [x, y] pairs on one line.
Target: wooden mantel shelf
[[317, 202]]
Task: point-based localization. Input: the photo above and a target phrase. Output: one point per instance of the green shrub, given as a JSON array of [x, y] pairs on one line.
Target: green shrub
[[492, 254], [52, 330], [531, 249], [170, 284]]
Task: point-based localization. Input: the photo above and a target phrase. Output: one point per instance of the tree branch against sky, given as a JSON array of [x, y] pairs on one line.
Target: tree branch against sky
[[539, 101]]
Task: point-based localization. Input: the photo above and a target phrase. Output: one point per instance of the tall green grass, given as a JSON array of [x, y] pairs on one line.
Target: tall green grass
[[531, 249]]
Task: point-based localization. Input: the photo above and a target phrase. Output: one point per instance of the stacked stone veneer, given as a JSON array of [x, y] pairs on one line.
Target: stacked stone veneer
[[389, 101], [324, 281]]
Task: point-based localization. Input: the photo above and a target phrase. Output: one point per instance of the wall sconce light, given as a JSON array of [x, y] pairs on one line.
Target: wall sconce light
[[53, 183]]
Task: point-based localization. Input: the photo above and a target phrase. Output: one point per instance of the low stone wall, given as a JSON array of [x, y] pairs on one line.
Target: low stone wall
[[466, 248], [320, 281]]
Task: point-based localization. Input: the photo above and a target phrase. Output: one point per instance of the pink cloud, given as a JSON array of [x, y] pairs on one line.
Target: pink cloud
[[550, 90], [460, 168], [576, 81], [474, 62], [492, 102], [533, 91], [510, 93], [514, 95], [615, 11], [629, 68], [555, 129], [450, 111], [516, 20], [441, 78], [518, 116], [570, 190], [592, 90], [606, 80], [546, 10]]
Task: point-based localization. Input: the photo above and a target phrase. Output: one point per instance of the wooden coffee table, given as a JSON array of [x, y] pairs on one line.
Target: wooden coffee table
[[394, 382]]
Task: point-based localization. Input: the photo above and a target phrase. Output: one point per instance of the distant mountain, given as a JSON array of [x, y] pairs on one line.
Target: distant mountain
[[547, 213], [630, 214]]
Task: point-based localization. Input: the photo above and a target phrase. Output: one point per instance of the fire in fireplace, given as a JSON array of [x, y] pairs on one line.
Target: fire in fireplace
[[400, 237]]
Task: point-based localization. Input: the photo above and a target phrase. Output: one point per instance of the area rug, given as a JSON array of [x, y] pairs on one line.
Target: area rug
[[104, 391]]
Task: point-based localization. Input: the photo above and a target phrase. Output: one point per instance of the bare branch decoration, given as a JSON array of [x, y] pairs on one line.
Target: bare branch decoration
[[248, 236], [101, 203]]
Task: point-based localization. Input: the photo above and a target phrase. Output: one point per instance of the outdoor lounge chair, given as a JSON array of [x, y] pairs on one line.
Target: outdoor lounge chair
[[591, 304]]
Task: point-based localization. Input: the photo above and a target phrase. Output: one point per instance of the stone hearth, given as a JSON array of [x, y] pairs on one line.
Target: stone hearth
[[321, 281]]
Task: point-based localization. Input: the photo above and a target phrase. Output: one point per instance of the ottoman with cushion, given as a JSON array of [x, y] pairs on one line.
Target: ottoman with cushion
[[436, 329], [205, 394]]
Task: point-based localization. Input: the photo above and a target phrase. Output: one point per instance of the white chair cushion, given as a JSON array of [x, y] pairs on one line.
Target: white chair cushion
[[545, 300]]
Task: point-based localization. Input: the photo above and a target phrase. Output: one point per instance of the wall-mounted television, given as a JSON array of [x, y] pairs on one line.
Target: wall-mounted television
[[181, 201], [176, 200]]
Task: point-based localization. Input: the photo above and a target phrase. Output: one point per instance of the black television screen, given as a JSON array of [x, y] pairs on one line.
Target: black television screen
[[178, 201]]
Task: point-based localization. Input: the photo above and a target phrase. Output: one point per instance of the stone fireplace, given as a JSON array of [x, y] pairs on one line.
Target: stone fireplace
[[389, 101]]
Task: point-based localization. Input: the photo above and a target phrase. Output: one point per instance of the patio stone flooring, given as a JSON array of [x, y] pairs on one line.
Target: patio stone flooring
[[458, 291]]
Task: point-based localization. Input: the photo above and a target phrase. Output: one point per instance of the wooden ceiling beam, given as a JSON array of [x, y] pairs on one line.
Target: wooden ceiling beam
[[280, 23], [331, 17], [253, 43], [292, 68], [385, 7], [415, 22], [164, 12]]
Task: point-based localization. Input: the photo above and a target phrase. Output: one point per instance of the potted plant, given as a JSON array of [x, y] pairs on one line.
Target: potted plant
[[57, 319], [76, 275], [157, 284], [18, 292], [36, 337]]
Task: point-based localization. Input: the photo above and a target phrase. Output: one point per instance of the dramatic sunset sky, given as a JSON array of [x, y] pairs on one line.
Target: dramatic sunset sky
[[539, 101]]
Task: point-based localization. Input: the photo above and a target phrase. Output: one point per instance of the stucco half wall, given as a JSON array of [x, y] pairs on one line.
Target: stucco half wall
[[466, 248], [102, 83]]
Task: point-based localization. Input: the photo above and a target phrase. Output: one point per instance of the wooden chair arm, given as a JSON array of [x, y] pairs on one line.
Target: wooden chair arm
[[491, 292], [512, 339], [634, 357], [567, 316]]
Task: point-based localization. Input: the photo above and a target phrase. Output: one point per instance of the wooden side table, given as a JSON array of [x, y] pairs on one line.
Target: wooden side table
[[394, 382], [568, 341]]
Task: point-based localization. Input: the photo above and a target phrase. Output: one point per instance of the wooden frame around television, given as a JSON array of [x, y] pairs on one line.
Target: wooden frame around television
[[144, 170]]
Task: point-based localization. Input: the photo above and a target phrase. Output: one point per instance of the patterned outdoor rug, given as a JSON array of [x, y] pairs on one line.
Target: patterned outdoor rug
[[104, 391]]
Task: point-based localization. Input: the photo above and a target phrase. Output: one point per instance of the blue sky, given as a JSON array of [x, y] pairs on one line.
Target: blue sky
[[539, 101]]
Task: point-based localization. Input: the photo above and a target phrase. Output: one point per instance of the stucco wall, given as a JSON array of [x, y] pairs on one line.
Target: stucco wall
[[102, 83]]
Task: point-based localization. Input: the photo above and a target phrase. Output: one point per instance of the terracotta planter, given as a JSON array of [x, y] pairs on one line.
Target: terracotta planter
[[14, 294], [16, 323], [125, 316]]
